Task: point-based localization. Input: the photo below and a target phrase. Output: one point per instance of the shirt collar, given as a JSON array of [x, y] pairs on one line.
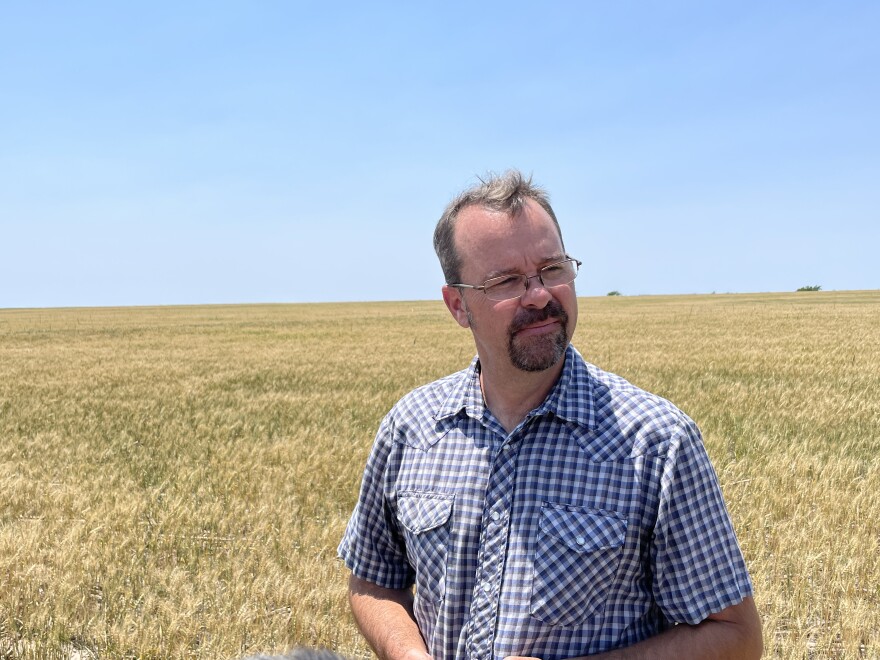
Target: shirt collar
[[465, 394], [570, 399]]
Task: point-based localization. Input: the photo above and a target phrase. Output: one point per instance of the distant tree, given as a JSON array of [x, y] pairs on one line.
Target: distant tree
[[815, 287], [614, 293]]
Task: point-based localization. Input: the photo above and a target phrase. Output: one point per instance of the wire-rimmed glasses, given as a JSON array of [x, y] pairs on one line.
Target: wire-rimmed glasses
[[505, 287]]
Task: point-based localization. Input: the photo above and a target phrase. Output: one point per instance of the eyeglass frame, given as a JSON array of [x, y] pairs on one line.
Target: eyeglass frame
[[526, 278]]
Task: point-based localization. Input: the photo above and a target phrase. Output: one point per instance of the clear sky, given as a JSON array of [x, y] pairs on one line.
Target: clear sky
[[277, 151]]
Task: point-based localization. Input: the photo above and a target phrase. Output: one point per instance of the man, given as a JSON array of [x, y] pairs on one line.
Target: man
[[540, 506]]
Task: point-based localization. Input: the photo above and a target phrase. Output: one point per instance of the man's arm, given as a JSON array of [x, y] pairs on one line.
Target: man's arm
[[733, 633], [385, 618]]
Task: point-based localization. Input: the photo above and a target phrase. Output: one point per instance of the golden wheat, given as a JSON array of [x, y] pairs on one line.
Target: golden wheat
[[174, 481]]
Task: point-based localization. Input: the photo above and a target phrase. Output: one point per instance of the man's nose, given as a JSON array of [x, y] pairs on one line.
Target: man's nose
[[536, 294]]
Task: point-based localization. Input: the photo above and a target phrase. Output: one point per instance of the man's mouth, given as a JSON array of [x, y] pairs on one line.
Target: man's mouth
[[539, 321], [550, 325]]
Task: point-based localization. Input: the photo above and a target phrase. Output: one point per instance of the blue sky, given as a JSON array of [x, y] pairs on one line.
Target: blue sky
[[220, 152]]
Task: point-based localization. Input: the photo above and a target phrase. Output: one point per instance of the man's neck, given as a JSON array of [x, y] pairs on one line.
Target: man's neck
[[512, 396]]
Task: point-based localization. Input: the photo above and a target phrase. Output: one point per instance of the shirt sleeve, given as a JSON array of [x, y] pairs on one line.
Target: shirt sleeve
[[373, 546], [698, 566]]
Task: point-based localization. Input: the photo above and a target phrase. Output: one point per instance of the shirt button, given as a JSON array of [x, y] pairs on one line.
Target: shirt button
[[580, 540], [495, 516]]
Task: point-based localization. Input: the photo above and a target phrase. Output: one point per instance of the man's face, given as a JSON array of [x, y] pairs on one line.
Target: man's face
[[530, 332]]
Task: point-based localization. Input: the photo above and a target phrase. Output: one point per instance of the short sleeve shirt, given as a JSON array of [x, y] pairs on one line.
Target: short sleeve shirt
[[597, 523]]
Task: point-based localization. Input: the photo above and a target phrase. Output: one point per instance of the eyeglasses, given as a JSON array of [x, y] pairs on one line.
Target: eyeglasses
[[510, 286]]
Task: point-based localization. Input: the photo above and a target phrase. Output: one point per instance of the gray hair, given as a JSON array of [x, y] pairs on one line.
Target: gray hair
[[507, 192]]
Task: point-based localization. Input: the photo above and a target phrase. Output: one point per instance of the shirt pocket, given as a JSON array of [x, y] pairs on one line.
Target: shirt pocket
[[576, 558], [425, 518]]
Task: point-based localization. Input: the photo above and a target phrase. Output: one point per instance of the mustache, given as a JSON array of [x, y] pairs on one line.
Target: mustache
[[526, 316]]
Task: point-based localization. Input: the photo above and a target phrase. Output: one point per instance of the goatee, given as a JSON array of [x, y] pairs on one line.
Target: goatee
[[537, 353]]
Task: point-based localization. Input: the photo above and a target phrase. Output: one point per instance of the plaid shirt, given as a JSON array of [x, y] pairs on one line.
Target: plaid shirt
[[596, 523]]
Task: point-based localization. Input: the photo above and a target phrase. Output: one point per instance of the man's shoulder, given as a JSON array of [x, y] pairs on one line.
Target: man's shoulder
[[433, 395], [648, 421], [418, 411]]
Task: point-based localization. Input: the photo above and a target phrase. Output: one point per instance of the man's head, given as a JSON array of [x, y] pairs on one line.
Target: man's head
[[505, 228], [506, 193]]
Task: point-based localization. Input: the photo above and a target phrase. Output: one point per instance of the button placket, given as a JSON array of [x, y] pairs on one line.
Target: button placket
[[493, 549]]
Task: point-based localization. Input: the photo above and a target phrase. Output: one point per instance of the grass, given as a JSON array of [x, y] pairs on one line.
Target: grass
[[174, 481]]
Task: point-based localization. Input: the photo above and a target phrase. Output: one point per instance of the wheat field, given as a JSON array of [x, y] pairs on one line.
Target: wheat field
[[174, 480]]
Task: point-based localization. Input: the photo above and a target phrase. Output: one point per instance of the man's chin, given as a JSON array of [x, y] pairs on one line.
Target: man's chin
[[537, 355]]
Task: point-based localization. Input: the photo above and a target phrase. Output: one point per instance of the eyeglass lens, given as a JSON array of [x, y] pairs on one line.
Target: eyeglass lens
[[513, 286]]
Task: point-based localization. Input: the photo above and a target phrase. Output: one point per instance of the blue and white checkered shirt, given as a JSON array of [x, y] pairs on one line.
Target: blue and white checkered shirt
[[596, 523]]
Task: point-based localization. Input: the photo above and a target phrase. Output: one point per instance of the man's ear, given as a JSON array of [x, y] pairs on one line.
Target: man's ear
[[455, 304]]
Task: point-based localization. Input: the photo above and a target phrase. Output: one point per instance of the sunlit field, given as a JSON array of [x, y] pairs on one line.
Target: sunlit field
[[174, 481]]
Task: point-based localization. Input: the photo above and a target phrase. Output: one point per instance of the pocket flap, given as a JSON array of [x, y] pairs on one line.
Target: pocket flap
[[420, 512], [583, 530]]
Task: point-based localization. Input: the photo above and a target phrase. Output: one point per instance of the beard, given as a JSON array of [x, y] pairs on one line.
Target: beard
[[541, 352]]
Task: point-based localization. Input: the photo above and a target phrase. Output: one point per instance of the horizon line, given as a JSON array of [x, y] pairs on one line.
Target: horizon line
[[424, 300]]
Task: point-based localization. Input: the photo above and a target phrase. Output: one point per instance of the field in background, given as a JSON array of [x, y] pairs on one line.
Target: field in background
[[174, 481]]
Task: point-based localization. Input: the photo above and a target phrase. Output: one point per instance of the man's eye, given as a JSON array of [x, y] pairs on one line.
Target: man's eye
[[503, 283]]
